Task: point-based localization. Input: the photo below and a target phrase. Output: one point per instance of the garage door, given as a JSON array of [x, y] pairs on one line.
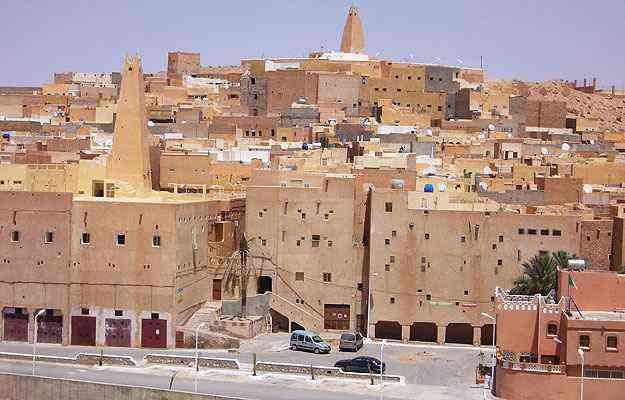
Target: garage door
[[50, 329], [336, 316], [154, 333], [16, 327], [117, 332], [83, 331]]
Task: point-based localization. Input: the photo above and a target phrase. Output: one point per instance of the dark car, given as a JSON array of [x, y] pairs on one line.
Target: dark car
[[361, 364]]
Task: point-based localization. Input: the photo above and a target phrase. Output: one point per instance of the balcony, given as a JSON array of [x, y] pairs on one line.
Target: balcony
[[532, 367]]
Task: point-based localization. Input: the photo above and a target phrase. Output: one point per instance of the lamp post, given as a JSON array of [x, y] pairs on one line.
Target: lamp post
[[492, 367], [381, 367], [197, 354], [35, 338], [581, 392]]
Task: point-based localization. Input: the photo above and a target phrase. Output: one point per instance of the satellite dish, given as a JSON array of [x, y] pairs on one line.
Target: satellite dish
[[483, 185], [566, 147], [544, 151], [509, 136], [442, 187], [481, 136], [491, 127], [151, 123], [587, 188], [428, 132], [429, 171], [488, 171]]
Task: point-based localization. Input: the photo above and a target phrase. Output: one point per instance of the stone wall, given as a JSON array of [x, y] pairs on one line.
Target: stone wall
[[16, 387], [221, 363], [300, 369]]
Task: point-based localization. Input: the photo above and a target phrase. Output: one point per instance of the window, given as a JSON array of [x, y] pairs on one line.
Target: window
[[120, 240], [494, 246], [315, 240], [48, 237], [298, 243], [392, 300], [544, 232], [499, 262], [521, 231], [303, 216], [263, 242], [85, 238], [387, 267], [552, 330], [155, 315], [518, 255], [156, 241], [393, 233], [330, 243], [119, 313], [500, 238], [428, 297], [392, 259], [531, 231], [427, 236], [388, 206], [466, 292], [387, 241], [463, 239], [299, 276], [584, 341], [84, 311], [612, 343], [423, 260], [15, 236], [327, 277], [556, 232]]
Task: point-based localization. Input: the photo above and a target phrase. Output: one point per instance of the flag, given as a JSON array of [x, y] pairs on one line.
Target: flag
[[572, 282]]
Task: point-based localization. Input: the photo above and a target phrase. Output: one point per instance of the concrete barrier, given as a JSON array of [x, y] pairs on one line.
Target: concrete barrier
[[219, 363], [81, 358], [22, 387], [332, 372]]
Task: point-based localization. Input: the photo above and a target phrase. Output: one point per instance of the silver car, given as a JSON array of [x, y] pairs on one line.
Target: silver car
[[309, 341], [350, 341]]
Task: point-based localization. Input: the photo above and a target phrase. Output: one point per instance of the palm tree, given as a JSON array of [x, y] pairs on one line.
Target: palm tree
[[562, 258], [539, 276]]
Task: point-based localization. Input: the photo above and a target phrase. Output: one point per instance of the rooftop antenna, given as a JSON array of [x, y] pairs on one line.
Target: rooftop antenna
[[438, 59]]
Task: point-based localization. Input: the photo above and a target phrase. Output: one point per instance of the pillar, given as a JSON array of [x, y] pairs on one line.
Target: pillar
[[477, 336], [66, 328], [135, 329], [31, 324], [440, 335], [405, 333]]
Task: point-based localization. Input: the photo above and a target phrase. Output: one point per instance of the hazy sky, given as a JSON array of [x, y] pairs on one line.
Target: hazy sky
[[524, 39]]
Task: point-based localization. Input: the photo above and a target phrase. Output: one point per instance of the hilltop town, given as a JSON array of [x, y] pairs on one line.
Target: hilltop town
[[331, 193]]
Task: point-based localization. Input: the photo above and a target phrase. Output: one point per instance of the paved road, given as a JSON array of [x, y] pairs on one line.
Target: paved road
[[431, 371]]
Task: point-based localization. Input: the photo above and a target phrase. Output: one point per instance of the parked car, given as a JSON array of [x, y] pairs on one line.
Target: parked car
[[350, 341], [361, 364], [310, 341]]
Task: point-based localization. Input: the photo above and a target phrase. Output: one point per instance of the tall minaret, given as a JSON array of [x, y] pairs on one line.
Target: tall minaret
[[353, 40], [129, 160]]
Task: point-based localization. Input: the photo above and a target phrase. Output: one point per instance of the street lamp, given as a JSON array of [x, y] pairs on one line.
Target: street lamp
[[35, 338], [381, 367], [492, 367], [197, 354], [581, 393]]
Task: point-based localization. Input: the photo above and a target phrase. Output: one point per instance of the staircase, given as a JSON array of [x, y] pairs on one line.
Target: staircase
[[209, 313], [295, 313]]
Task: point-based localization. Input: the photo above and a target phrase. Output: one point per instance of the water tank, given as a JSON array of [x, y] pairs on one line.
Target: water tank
[[428, 188], [397, 183]]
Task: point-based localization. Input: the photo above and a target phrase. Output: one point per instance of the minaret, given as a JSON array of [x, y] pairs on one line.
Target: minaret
[[129, 160], [353, 40]]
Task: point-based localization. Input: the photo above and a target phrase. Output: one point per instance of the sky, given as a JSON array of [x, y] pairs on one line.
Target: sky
[[518, 39]]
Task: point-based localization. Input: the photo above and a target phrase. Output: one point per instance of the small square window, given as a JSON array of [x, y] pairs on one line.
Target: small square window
[[15, 236], [584, 341], [387, 267], [556, 232], [156, 241], [393, 233], [612, 343], [392, 259], [392, 300], [387, 241], [299, 276], [303, 216], [327, 277], [85, 238], [500, 239], [121, 239], [466, 292], [48, 237], [298, 243], [427, 236], [119, 313], [499, 262], [552, 329], [388, 207], [544, 232], [155, 315], [263, 242], [428, 297], [84, 311], [494, 246], [330, 243], [463, 239], [521, 231]]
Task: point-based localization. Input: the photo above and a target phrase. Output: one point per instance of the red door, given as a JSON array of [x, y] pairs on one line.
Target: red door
[[154, 333], [216, 289], [117, 332], [16, 327], [83, 331], [49, 329]]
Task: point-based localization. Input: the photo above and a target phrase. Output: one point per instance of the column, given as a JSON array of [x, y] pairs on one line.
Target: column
[[31, 324], [440, 335], [66, 327], [405, 333], [477, 336], [135, 328]]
